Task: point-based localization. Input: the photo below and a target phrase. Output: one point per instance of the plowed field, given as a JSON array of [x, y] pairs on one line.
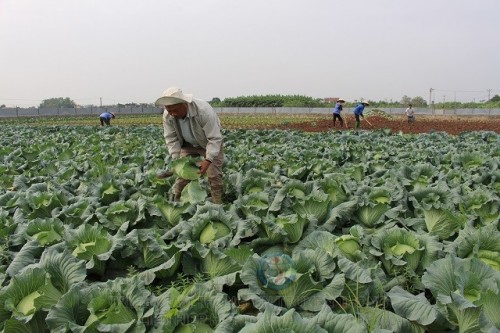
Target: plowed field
[[424, 124]]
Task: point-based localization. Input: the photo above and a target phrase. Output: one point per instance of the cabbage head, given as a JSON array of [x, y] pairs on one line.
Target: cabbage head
[[186, 168], [349, 246], [398, 249], [481, 243], [213, 231], [46, 231], [29, 293], [466, 292], [121, 305]]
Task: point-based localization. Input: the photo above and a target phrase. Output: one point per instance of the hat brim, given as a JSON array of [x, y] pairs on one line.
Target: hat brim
[[165, 100], [365, 103], [340, 100]]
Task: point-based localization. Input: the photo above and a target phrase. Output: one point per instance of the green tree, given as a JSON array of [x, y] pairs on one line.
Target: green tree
[[405, 100], [58, 102], [495, 98], [415, 101], [418, 101], [274, 101]]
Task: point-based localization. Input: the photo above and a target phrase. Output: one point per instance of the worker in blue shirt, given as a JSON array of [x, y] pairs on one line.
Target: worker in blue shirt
[[358, 112], [336, 112], [105, 118]]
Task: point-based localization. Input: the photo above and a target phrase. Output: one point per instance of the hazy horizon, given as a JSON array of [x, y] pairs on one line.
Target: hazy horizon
[[130, 51]]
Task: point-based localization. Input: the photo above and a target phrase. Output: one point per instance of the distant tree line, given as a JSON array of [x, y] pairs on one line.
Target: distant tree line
[[272, 101], [305, 101], [277, 101], [493, 103], [59, 102], [66, 102]]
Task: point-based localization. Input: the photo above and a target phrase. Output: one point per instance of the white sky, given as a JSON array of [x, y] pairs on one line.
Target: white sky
[[131, 50]]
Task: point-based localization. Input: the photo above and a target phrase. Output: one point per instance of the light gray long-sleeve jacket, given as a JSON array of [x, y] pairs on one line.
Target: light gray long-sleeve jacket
[[205, 125]]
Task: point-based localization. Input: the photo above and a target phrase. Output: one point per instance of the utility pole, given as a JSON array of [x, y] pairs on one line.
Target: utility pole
[[101, 101], [489, 94], [455, 100], [430, 97]]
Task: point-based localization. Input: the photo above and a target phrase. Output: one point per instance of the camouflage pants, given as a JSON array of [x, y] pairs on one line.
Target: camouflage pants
[[358, 120], [214, 173]]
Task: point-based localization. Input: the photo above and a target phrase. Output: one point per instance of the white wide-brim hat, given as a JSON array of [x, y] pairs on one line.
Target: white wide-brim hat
[[173, 95]]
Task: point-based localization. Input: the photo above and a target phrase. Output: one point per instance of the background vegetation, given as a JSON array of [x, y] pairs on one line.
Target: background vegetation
[[277, 101], [305, 101]]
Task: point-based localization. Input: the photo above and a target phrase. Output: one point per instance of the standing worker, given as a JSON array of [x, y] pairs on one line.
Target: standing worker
[[192, 128], [358, 112], [336, 112], [410, 113], [105, 118]]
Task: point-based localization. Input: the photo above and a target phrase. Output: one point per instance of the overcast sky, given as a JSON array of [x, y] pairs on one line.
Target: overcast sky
[[131, 50]]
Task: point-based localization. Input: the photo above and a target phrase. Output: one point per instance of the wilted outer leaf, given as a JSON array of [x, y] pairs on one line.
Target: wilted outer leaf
[[414, 308]]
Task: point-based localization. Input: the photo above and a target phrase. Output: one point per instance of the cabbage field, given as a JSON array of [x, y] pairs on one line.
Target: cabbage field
[[341, 231]]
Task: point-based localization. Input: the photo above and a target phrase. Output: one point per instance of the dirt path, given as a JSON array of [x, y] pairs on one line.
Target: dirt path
[[424, 124]]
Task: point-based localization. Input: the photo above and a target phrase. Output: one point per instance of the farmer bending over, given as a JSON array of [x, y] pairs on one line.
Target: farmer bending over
[[358, 112], [105, 118], [192, 128]]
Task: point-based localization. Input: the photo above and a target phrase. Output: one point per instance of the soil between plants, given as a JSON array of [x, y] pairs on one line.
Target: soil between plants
[[425, 124]]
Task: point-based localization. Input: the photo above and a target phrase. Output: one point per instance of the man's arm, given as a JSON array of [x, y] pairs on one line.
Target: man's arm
[[212, 129], [171, 139], [204, 166]]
